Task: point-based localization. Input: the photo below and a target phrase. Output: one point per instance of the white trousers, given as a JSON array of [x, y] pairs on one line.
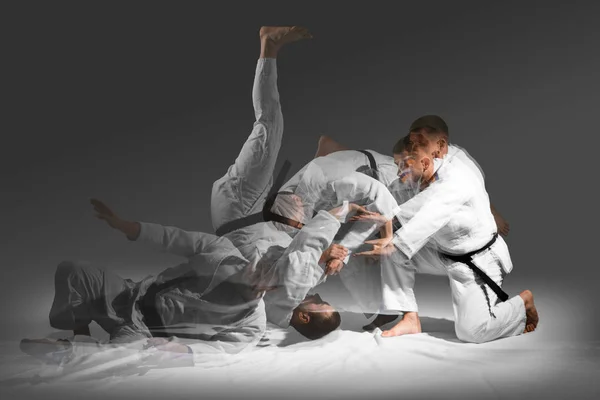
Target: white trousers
[[479, 316], [243, 189]]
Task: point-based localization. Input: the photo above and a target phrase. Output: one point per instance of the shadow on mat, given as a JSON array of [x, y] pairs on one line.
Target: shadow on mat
[[440, 328]]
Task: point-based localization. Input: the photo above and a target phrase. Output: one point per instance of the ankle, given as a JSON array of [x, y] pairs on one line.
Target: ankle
[[268, 49], [412, 315]]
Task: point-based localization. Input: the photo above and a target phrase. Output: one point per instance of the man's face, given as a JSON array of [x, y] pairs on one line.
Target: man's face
[[411, 166], [404, 162]]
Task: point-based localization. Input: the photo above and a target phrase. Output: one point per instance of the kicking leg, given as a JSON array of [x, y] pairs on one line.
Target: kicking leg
[[242, 190]]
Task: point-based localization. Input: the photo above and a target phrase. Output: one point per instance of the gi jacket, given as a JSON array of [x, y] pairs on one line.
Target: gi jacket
[[211, 309]]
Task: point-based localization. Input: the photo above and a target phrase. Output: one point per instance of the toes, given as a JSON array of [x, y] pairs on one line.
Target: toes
[[302, 31]]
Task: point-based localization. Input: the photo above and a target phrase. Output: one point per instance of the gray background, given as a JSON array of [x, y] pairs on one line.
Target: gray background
[[144, 107]]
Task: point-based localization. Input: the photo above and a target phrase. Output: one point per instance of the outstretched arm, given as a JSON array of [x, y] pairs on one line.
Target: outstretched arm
[[163, 238]]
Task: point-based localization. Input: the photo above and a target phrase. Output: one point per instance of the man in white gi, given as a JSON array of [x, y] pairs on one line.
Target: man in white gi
[[204, 305], [328, 181], [288, 267], [451, 212], [362, 276], [366, 174], [438, 131], [388, 169], [212, 302]]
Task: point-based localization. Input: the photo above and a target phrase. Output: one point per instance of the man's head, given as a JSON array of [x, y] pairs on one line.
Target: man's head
[[414, 159], [314, 318], [431, 133]]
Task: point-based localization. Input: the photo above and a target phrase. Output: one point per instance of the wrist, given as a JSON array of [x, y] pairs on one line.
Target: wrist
[[131, 229]]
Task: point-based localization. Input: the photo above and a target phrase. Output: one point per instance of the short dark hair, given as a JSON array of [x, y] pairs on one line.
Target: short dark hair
[[432, 123], [319, 325], [401, 145]]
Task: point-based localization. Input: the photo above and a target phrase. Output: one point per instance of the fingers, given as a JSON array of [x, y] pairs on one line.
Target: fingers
[[361, 209], [328, 270], [338, 251], [504, 229], [97, 203], [101, 209], [361, 217], [334, 267], [366, 253], [338, 246]]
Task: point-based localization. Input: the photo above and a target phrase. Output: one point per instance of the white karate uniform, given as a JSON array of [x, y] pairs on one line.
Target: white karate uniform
[[352, 160], [211, 310], [217, 304], [458, 153], [288, 267], [453, 216], [328, 181], [242, 190]]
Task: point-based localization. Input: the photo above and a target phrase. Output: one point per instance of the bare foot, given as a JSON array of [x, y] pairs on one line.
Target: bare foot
[[530, 311], [409, 324], [273, 37], [379, 321], [327, 145]]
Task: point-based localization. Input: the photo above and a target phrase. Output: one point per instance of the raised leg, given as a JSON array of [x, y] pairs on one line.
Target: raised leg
[[242, 190]]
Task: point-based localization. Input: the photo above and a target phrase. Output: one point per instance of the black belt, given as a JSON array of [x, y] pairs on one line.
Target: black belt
[[266, 214], [372, 162], [468, 260]]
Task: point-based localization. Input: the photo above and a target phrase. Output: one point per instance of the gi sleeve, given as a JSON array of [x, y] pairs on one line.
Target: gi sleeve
[[178, 241], [426, 213], [298, 268]]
